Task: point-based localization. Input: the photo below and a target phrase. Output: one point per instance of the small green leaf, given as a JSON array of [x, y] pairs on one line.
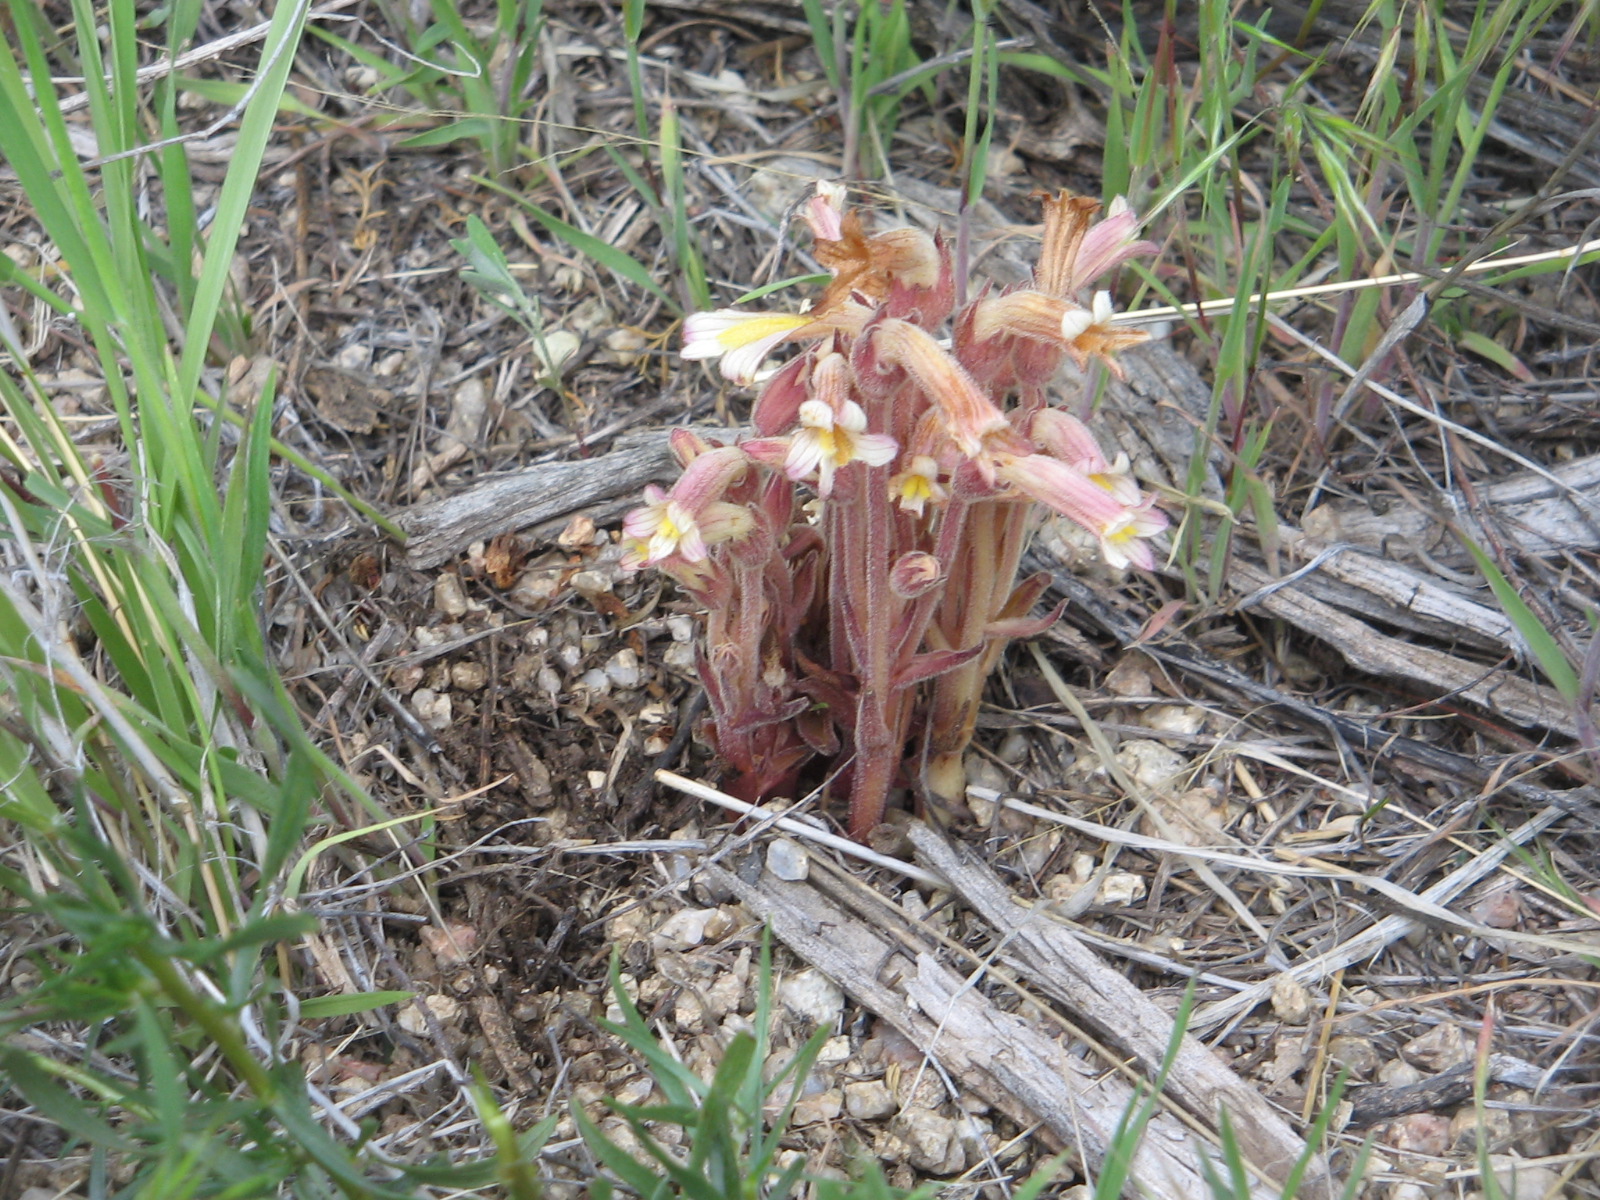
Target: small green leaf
[[468, 128], [1485, 346], [346, 1004], [280, 927], [220, 91], [54, 1103], [767, 289]]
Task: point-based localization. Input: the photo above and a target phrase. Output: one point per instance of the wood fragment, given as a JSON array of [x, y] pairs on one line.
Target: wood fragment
[[546, 492], [1512, 695], [1549, 513], [1443, 1090], [1067, 970], [500, 1034], [1008, 1061], [1379, 588]]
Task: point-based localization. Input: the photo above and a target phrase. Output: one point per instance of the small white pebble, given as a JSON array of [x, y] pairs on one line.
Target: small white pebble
[[1396, 1072], [983, 773], [834, 1051], [434, 710], [625, 345], [449, 597], [686, 928], [1151, 764], [1015, 748], [820, 1109], [623, 669], [468, 676], [596, 680], [1121, 887], [787, 859], [933, 1143], [591, 583], [1523, 1180], [1290, 1000], [536, 589], [352, 357], [1175, 718], [812, 995], [868, 1100], [445, 1010]]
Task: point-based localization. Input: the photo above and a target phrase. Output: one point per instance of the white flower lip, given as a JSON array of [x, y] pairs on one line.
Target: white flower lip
[[1074, 323], [741, 339]]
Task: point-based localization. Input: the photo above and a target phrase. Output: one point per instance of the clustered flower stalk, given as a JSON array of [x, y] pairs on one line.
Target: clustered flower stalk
[[857, 560]]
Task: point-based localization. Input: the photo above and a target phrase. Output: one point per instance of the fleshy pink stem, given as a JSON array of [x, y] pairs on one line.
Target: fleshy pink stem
[[879, 711], [990, 555]]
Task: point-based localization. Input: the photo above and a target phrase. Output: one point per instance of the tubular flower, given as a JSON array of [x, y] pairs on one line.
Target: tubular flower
[[683, 522], [743, 340], [1123, 543], [1066, 222], [1036, 316], [971, 419], [918, 486], [1107, 245], [907, 255], [824, 211], [1090, 334], [870, 265], [664, 527], [828, 440], [1076, 253], [1120, 527], [687, 445], [1070, 440]]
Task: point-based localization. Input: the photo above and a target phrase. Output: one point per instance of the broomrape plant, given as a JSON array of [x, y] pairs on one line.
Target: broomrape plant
[[857, 559]]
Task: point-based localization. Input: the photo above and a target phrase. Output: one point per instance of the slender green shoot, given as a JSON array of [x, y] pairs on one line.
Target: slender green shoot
[[632, 31], [686, 249]]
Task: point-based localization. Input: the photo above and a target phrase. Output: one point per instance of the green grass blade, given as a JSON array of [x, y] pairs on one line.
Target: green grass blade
[[607, 255], [255, 130], [1540, 641], [687, 252]]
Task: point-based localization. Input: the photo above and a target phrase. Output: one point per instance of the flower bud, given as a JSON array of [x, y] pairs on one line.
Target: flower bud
[[915, 573], [823, 211], [776, 407], [725, 522], [708, 476], [686, 445]]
